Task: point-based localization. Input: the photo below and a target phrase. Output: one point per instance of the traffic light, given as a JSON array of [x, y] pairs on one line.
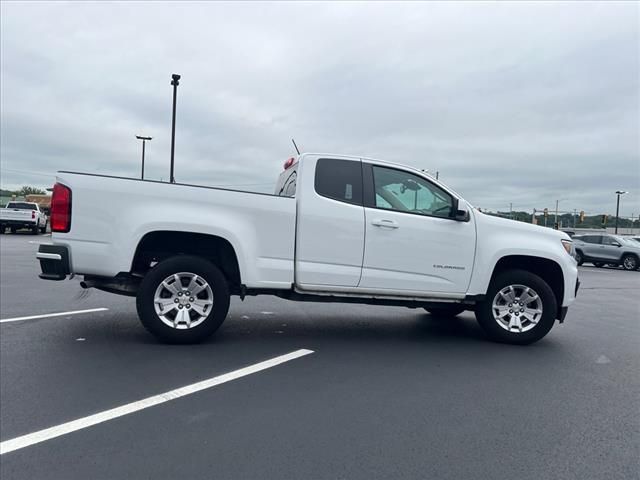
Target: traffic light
[[582, 216]]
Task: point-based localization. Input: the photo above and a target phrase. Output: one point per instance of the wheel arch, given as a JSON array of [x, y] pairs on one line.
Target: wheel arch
[[547, 269], [158, 245]]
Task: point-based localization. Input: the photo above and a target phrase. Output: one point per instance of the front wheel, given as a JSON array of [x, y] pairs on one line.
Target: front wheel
[[519, 308], [629, 262], [183, 299]]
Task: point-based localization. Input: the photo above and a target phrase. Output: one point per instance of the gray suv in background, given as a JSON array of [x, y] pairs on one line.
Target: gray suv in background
[[603, 249]]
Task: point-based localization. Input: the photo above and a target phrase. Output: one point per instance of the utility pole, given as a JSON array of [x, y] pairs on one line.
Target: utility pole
[[437, 174], [618, 193], [144, 140], [511, 211], [556, 218], [175, 82]]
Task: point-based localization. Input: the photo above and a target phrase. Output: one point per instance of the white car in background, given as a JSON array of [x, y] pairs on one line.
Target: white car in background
[[17, 215]]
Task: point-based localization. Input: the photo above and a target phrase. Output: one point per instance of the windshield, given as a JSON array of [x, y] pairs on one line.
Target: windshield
[[22, 205]]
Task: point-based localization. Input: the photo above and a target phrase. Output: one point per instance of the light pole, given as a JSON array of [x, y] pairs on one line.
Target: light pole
[[175, 82], [618, 193], [144, 141]]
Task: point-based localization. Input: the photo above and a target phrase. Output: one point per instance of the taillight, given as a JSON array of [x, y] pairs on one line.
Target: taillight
[[61, 208], [33, 214]]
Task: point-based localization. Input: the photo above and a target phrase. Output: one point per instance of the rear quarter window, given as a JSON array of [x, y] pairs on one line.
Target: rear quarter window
[[339, 179]]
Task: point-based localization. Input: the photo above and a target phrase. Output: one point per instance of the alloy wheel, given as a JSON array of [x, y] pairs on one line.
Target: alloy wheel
[[183, 300]]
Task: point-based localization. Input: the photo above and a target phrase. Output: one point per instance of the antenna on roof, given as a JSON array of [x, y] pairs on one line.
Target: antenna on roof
[[294, 144]]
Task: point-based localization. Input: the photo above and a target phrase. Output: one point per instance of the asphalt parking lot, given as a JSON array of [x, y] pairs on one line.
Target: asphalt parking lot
[[381, 392]]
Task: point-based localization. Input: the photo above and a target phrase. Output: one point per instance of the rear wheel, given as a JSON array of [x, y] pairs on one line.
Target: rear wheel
[[519, 308], [629, 262], [44, 229], [445, 310], [34, 229], [183, 299]]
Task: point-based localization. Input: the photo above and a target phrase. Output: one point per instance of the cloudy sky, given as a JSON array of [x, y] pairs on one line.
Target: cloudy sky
[[520, 103]]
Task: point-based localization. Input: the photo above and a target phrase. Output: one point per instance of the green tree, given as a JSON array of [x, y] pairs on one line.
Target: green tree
[[28, 190]]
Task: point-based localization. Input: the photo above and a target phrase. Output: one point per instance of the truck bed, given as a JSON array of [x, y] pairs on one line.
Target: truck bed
[[111, 215]]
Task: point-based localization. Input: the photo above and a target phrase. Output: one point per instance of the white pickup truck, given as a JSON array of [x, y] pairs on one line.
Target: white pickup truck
[[17, 215], [338, 229]]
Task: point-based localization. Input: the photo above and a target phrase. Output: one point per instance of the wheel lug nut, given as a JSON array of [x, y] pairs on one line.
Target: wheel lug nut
[[188, 306], [175, 300], [510, 311], [180, 307], [179, 294], [188, 293], [191, 299], [511, 305]]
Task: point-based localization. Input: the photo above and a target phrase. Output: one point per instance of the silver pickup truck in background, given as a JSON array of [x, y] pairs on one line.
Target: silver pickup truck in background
[[17, 215]]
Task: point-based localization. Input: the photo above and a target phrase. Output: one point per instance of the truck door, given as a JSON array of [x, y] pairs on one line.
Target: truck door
[[412, 243], [330, 223]]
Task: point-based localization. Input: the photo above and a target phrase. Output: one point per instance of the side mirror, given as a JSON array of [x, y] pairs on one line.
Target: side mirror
[[460, 214], [616, 244]]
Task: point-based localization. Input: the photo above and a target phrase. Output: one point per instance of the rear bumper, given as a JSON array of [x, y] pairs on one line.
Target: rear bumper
[[54, 262], [18, 223]]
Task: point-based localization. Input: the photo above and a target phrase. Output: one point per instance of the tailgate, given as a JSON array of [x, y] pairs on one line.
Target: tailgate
[[15, 214]]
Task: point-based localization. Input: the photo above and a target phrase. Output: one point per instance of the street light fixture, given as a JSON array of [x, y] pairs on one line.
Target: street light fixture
[[618, 193], [144, 141], [175, 81]]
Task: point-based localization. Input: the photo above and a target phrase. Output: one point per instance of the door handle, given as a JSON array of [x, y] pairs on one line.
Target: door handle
[[385, 223]]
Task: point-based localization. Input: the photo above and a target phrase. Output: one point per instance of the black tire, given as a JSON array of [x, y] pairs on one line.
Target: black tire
[[484, 309], [43, 229], [183, 263], [445, 310], [14, 230], [630, 262], [35, 230], [579, 257], [599, 264]]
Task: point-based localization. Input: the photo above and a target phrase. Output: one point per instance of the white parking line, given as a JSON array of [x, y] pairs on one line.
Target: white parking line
[[85, 422], [61, 314]]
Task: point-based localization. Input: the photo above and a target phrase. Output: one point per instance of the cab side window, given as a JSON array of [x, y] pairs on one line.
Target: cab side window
[[404, 192]]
